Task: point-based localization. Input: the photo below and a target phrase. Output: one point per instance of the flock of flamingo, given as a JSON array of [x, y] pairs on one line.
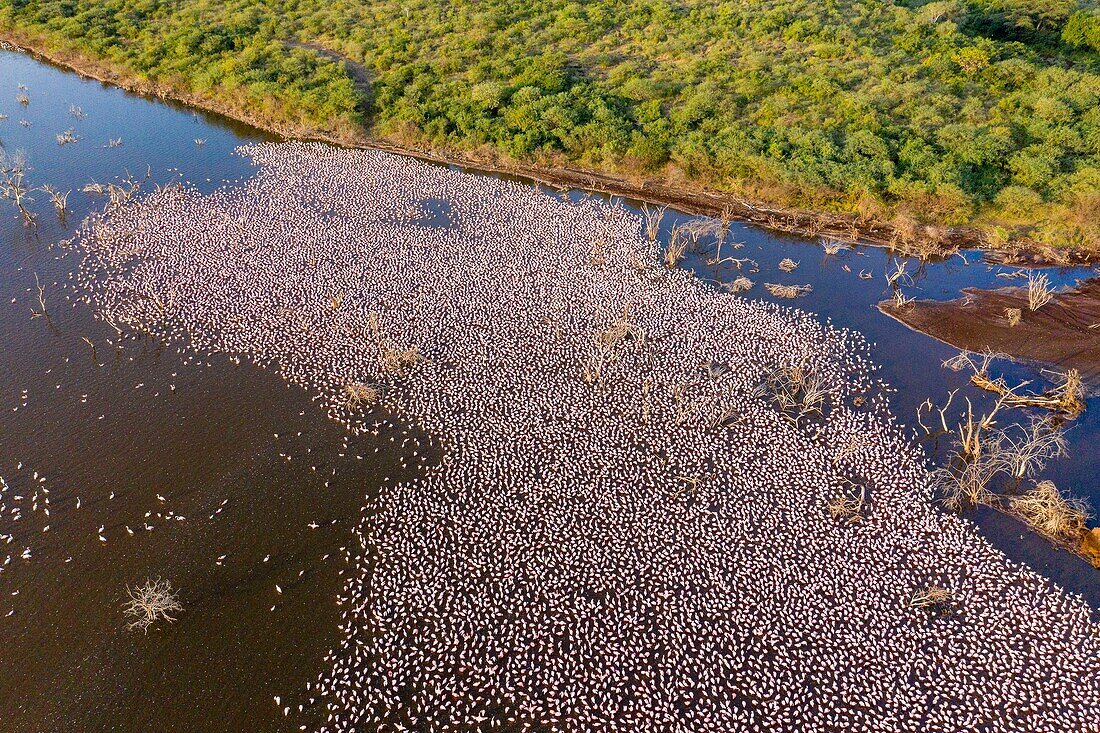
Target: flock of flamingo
[[627, 529]]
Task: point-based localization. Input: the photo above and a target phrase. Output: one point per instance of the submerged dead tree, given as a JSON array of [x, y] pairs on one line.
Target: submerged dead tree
[[986, 465], [13, 183], [154, 600]]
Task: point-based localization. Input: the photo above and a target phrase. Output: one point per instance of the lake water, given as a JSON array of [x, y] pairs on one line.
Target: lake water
[[140, 434]]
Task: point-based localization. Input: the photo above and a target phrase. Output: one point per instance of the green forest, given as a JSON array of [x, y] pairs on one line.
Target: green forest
[[977, 112]]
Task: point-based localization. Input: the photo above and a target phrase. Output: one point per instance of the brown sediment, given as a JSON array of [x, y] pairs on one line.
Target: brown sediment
[[698, 199], [1064, 333], [1089, 546]]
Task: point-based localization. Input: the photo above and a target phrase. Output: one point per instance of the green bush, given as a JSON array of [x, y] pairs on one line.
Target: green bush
[[934, 109]]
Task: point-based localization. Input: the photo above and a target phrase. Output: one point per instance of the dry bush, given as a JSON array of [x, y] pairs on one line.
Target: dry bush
[[787, 264], [900, 299], [833, 246], [933, 597], [592, 368], [898, 274], [1012, 315], [1039, 292], [397, 361], [153, 601], [980, 453], [621, 330], [393, 359], [118, 194], [67, 137], [1066, 397], [740, 285], [359, 394], [1027, 449], [677, 246], [798, 391], [701, 228], [787, 291], [1070, 394], [847, 505], [653, 216], [22, 99], [964, 484], [59, 200], [1049, 513], [13, 182]]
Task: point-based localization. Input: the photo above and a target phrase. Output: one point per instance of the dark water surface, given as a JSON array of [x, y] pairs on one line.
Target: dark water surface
[[138, 423], [142, 433]]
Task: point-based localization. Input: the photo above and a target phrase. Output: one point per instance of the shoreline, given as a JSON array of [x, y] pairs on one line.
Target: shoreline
[[810, 224]]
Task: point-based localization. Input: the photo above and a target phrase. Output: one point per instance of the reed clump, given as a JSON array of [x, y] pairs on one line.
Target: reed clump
[[398, 360], [358, 395], [677, 247], [934, 597], [798, 391], [623, 329], [788, 292], [652, 216], [847, 504], [1059, 518], [740, 284]]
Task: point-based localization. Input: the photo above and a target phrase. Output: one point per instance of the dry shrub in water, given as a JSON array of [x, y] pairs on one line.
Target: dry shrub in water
[[1039, 292], [1066, 397], [677, 246], [787, 264], [653, 216], [740, 285], [1027, 449], [396, 361], [621, 330], [900, 299], [155, 600], [787, 291], [1049, 513], [360, 394], [934, 597], [798, 391], [964, 484], [847, 504]]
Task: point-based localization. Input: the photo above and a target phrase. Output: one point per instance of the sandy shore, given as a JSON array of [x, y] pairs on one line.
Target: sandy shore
[[1064, 333]]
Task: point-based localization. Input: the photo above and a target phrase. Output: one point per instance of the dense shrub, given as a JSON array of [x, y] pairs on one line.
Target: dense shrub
[[950, 111]]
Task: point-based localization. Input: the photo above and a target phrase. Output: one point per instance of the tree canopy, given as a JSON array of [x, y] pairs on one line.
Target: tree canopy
[[943, 111]]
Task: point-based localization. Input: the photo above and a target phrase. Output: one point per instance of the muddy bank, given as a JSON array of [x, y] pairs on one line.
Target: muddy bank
[[1064, 333], [693, 198]]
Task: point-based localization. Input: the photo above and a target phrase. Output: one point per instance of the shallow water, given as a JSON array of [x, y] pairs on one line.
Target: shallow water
[[140, 420]]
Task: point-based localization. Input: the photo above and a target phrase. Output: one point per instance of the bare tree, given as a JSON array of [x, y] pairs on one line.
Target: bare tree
[[153, 601], [59, 200], [13, 182]]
